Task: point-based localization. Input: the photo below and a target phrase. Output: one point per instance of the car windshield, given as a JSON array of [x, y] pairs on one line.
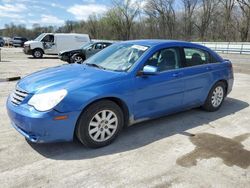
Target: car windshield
[[85, 46], [117, 57], [39, 38]]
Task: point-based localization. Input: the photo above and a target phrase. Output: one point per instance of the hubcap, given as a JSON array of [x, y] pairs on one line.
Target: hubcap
[[217, 96], [103, 125], [78, 59], [37, 54]]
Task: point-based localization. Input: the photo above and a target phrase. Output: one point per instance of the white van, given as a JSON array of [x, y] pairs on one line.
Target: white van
[[53, 43]]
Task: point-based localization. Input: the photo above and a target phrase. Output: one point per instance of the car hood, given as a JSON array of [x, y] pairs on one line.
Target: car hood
[[31, 42], [67, 77], [70, 51]]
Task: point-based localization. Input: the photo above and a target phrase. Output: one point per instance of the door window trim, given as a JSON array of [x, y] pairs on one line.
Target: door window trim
[[204, 50], [181, 64]]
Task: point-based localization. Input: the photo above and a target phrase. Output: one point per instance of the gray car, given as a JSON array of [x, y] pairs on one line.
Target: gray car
[[83, 53]]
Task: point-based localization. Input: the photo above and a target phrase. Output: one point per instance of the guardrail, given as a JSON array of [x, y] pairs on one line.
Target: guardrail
[[228, 47]]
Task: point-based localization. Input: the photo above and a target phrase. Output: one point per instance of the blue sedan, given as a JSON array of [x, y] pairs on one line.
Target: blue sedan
[[126, 83]]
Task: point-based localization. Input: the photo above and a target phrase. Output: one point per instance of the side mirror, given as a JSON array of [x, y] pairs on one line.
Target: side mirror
[[149, 70]]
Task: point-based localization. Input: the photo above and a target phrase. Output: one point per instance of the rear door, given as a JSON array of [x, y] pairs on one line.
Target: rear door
[[198, 76]]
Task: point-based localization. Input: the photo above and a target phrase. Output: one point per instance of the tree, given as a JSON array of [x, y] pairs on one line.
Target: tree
[[189, 8], [244, 20], [228, 6], [164, 14], [204, 16], [123, 16]]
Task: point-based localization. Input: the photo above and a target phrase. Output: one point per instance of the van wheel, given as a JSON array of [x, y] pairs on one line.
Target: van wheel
[[215, 97], [100, 124], [76, 58], [37, 53]]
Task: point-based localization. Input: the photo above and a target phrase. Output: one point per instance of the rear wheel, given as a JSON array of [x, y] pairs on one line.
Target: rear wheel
[[100, 124], [37, 53], [216, 97]]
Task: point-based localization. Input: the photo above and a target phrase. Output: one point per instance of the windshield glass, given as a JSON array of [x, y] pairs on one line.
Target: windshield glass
[[85, 46], [118, 57], [40, 37]]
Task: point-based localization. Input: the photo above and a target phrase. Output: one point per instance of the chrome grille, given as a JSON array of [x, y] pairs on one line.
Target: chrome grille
[[18, 96]]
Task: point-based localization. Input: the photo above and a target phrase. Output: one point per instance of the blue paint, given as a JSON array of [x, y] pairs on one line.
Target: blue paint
[[146, 96]]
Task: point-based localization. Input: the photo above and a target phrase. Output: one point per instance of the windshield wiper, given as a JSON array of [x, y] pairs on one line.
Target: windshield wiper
[[95, 65]]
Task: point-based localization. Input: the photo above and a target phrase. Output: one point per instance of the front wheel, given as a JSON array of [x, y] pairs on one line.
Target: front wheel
[[215, 97], [76, 58], [37, 53], [100, 124]]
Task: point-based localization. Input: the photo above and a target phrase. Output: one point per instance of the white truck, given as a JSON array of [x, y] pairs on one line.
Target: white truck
[[53, 43]]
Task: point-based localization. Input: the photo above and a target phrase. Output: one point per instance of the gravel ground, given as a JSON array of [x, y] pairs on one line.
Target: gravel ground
[[188, 149]]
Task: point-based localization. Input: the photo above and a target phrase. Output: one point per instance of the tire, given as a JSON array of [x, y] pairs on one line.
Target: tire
[[1, 44], [77, 58], [37, 53], [215, 97], [93, 130]]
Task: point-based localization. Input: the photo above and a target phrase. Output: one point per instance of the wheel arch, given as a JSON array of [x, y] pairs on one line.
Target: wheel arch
[[117, 101], [223, 81], [80, 54], [212, 85], [38, 49]]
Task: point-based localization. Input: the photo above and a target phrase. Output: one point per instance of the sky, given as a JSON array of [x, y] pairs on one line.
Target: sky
[[49, 12]]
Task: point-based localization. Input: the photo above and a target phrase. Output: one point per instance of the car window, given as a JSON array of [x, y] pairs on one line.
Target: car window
[[48, 38], [118, 57], [195, 57], [166, 59], [98, 46], [212, 59]]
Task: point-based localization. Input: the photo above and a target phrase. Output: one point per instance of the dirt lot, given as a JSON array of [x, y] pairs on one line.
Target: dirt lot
[[189, 149]]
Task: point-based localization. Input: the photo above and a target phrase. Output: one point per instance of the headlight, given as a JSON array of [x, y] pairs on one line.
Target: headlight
[[47, 101]]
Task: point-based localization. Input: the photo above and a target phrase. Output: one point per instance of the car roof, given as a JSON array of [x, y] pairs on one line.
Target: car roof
[[103, 41], [156, 42], [159, 43]]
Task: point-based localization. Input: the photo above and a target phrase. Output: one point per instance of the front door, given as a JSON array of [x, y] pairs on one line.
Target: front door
[[163, 92], [49, 44]]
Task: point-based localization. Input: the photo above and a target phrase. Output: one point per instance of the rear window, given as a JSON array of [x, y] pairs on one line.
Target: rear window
[[195, 57]]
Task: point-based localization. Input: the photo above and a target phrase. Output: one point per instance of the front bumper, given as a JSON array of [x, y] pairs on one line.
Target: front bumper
[[27, 50], [17, 44], [40, 127], [63, 57]]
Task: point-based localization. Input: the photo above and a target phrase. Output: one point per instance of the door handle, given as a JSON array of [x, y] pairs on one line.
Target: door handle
[[209, 68]]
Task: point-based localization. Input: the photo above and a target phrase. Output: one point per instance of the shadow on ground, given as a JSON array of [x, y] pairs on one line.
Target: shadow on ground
[[141, 134], [52, 57]]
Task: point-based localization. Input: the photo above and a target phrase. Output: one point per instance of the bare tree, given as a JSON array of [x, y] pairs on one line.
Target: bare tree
[[244, 23], [189, 8], [204, 17], [228, 6], [211, 20], [125, 12], [92, 26], [163, 10]]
